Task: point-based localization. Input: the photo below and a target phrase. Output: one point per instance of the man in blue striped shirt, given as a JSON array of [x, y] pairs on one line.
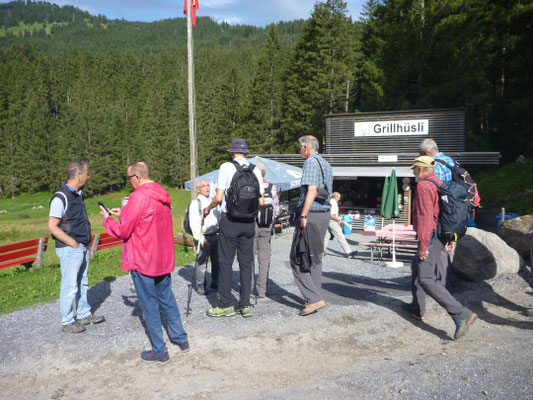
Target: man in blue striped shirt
[[428, 147], [311, 225]]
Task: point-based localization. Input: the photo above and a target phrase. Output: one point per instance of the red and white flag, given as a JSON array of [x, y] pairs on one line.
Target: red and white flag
[[194, 7]]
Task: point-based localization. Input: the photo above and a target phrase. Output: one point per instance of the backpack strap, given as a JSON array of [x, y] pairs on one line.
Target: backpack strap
[[199, 206], [237, 165], [323, 177], [269, 189], [444, 163], [435, 183]]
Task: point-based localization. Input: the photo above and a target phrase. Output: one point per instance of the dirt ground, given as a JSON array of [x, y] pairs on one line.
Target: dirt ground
[[359, 347]]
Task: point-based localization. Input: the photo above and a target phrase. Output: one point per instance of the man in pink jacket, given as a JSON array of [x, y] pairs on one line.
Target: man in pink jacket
[[148, 252]]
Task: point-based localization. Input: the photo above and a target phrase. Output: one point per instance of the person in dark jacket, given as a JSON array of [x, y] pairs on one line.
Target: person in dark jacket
[[69, 225]]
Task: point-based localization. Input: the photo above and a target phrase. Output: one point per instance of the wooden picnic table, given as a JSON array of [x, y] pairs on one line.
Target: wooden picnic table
[[404, 237]]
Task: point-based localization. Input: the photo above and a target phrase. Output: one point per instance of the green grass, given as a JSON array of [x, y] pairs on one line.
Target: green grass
[[20, 288], [510, 186]]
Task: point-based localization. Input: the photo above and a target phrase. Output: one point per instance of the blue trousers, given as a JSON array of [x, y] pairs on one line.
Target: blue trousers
[[153, 292]]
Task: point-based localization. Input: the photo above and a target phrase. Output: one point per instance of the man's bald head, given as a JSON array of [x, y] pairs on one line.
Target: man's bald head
[[140, 169]]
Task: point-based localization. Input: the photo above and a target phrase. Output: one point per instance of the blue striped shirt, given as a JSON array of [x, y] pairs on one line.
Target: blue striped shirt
[[442, 172], [312, 176]]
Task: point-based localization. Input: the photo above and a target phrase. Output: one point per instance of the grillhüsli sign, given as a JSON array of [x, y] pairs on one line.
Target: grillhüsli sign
[[392, 128]]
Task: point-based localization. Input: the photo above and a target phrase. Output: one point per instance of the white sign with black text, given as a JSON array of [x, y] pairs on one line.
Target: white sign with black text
[[392, 128]]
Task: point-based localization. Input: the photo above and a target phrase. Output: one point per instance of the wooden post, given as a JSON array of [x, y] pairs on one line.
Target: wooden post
[[38, 263], [94, 247], [192, 117]]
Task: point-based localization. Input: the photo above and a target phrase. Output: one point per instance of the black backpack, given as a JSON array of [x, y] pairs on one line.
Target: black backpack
[[461, 176], [186, 220], [265, 215], [454, 210], [242, 197]]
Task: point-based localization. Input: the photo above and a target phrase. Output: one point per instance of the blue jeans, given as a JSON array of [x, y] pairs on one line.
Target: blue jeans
[[151, 293], [74, 282]]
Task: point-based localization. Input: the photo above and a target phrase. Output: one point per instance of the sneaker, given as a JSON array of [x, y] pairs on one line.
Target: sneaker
[[74, 327], [410, 309], [352, 254], [184, 347], [463, 325], [92, 319], [149, 356], [312, 308], [200, 290], [221, 312], [245, 311], [529, 312]]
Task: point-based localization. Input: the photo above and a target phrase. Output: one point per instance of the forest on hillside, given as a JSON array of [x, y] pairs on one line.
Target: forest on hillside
[[77, 86]]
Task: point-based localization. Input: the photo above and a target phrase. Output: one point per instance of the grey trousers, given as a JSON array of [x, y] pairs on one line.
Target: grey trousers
[[310, 282], [202, 257], [429, 277], [335, 229], [263, 248]]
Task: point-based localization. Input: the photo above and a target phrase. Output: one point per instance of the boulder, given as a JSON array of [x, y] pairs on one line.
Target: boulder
[[515, 232], [483, 255]]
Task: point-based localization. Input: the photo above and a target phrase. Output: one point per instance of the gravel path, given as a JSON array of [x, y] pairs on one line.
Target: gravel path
[[361, 346]]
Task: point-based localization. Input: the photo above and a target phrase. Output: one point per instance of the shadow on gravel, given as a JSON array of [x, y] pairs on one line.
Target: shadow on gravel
[[363, 289], [97, 294]]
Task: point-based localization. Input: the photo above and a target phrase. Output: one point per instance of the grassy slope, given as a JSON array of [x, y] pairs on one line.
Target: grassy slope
[[20, 288], [510, 186]]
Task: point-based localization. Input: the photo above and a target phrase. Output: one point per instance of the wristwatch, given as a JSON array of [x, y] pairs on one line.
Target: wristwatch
[[303, 216]]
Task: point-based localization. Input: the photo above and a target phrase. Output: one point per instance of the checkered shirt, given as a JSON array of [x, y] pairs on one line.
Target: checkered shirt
[[442, 172], [312, 176]]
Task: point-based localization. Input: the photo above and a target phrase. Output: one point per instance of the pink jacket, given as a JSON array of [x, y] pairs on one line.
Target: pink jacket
[[146, 227]]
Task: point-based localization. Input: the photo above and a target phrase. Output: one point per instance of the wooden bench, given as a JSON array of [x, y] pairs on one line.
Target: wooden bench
[[380, 246], [29, 253], [102, 241]]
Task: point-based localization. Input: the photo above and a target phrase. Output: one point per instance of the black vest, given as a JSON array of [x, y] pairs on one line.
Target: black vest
[[75, 221]]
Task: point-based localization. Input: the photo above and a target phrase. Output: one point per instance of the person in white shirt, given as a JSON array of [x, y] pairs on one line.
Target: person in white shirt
[[206, 233], [236, 233], [334, 227]]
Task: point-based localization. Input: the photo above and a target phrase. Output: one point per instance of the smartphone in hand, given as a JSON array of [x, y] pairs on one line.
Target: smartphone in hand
[[105, 208]]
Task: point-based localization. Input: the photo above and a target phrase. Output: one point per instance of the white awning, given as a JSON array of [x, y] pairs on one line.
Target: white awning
[[378, 172]]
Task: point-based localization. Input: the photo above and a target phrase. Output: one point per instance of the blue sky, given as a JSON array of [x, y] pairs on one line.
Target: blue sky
[[249, 12]]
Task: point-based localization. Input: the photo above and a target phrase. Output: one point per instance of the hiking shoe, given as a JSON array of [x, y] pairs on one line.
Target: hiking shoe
[[74, 327], [411, 310], [92, 319], [184, 347], [200, 290], [463, 325], [529, 312], [221, 312], [245, 311], [150, 357], [312, 308]]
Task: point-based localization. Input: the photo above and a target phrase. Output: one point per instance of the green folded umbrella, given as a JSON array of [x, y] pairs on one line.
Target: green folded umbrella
[[389, 198]]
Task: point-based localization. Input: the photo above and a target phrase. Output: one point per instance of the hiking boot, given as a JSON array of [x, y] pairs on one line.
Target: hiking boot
[[221, 312], [200, 290], [149, 356], [529, 312], [184, 347], [92, 319], [463, 325], [245, 311], [74, 327], [411, 310], [312, 308]]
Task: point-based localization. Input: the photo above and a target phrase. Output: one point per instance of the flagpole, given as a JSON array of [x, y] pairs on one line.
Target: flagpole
[[192, 116]]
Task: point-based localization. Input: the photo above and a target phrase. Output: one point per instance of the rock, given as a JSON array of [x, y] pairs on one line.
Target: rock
[[515, 232], [483, 255], [3, 211]]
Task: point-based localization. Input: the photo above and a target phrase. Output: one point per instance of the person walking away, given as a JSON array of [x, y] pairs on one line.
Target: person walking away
[[148, 252], [428, 266], [429, 148], [240, 194], [70, 227], [313, 210], [205, 233], [263, 232], [334, 227]]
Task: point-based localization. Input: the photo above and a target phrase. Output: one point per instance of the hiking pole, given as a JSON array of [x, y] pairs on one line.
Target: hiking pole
[[189, 295]]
